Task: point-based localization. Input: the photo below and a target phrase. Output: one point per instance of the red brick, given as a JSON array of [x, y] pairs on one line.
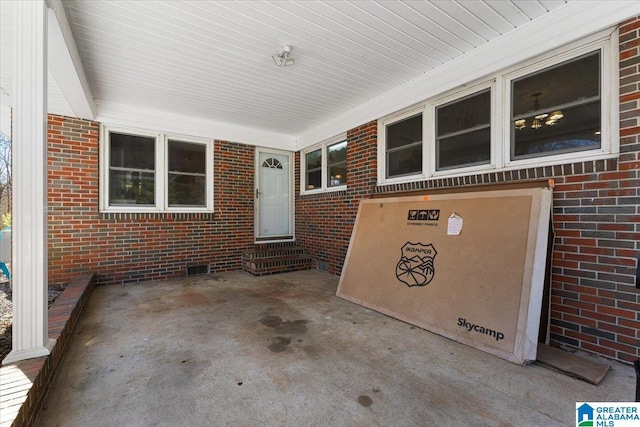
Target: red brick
[[628, 314], [598, 316], [627, 357], [630, 25], [618, 346], [598, 349], [580, 336]]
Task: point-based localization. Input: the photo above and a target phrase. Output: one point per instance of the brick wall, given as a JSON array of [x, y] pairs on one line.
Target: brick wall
[[123, 248], [595, 305], [324, 221]]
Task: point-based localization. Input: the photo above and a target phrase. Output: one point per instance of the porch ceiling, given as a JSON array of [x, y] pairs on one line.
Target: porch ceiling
[[211, 60]]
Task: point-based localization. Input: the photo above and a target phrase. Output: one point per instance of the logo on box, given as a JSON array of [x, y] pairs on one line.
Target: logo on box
[[415, 267]]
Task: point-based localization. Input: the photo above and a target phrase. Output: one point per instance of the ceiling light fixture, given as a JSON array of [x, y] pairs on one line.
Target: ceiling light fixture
[[541, 118], [282, 57]]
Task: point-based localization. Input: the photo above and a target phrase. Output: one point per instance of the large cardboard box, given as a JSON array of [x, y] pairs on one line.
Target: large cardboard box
[[468, 266]]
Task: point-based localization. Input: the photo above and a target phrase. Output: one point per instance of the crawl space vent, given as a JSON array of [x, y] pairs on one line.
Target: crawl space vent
[[193, 270]]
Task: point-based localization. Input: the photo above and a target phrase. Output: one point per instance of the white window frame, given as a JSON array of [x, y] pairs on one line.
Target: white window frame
[[609, 102], [382, 145], [431, 131], [500, 86], [161, 171], [323, 146]]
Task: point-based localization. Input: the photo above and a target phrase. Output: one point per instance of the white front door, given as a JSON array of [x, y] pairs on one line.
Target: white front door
[[273, 195]]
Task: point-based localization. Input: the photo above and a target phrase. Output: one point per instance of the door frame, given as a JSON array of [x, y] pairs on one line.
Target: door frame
[[256, 210]]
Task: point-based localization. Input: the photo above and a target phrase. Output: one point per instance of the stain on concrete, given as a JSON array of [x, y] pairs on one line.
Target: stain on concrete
[[294, 327], [285, 327], [365, 401], [221, 300], [271, 321], [279, 345]]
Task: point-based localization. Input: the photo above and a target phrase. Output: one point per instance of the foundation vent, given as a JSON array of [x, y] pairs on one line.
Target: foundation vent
[[193, 270]]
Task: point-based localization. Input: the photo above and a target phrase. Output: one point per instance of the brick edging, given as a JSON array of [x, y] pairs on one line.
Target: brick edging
[[30, 380]]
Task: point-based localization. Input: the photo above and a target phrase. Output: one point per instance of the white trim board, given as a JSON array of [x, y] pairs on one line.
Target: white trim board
[[163, 121]]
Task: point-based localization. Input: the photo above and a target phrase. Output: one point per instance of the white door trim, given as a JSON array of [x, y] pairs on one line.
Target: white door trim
[[291, 236]]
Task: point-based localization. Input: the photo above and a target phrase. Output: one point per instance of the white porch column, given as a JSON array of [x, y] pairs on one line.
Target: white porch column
[[29, 228]]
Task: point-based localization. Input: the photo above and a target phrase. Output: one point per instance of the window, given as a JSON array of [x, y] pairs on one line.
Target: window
[[314, 169], [404, 147], [149, 172], [463, 132], [324, 168], [131, 170], [187, 176], [558, 108], [337, 164]]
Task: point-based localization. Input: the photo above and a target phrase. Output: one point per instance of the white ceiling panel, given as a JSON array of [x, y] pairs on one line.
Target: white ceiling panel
[[211, 60]]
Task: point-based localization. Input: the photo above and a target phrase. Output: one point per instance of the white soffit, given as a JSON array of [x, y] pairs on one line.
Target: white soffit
[[569, 23], [212, 60], [206, 67]]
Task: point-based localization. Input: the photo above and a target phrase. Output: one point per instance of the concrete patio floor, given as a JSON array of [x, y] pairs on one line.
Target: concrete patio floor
[[236, 350]]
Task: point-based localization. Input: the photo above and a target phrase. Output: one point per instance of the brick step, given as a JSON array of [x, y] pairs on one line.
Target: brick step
[[272, 252], [261, 262]]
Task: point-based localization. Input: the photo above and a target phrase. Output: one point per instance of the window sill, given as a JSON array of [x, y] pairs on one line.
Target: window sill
[[324, 190]]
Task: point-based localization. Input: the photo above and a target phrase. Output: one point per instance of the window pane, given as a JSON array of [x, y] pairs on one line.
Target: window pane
[[132, 152], [187, 190], [314, 169], [578, 130], [337, 175], [314, 179], [463, 132], [337, 164], [131, 188], [405, 162], [464, 114], [187, 157], [467, 149], [404, 132], [337, 153], [314, 159], [558, 109], [187, 184]]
